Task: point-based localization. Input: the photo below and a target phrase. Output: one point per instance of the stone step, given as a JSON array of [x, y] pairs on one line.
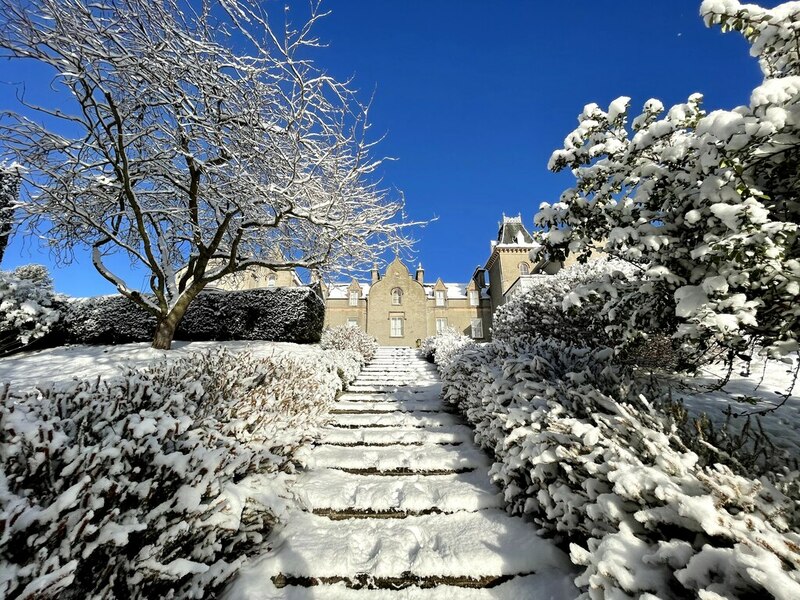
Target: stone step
[[408, 419], [397, 505], [391, 458], [442, 549], [385, 406], [408, 395], [397, 435], [335, 491], [542, 586]]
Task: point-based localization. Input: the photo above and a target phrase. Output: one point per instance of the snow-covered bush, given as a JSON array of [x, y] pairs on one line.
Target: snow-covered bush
[[281, 314], [582, 448], [564, 305], [155, 484], [28, 307], [346, 337], [443, 347], [706, 201]]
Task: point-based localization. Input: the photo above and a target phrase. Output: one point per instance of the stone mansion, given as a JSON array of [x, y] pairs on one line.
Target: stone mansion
[[399, 308]]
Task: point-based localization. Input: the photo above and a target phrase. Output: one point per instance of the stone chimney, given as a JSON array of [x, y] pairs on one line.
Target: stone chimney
[[420, 276], [375, 276]]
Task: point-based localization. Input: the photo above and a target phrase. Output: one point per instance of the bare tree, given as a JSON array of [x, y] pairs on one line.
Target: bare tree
[[199, 140]]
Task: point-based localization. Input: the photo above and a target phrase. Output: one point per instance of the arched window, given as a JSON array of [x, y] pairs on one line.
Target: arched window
[[524, 269], [397, 297], [272, 280]]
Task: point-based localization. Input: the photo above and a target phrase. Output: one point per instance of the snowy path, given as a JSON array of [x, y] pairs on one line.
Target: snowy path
[[399, 505]]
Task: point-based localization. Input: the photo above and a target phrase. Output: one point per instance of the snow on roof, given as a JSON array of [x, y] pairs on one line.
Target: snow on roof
[[512, 232], [340, 291]]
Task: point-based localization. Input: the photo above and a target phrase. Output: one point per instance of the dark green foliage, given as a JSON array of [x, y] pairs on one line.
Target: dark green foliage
[[9, 190], [282, 314]]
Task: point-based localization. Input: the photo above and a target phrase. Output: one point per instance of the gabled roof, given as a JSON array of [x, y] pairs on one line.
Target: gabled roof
[[512, 232]]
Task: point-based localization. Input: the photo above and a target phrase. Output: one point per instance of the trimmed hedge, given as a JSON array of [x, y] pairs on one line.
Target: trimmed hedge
[[281, 314]]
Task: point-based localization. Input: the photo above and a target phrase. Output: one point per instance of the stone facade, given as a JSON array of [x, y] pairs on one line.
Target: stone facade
[[257, 277], [399, 308]]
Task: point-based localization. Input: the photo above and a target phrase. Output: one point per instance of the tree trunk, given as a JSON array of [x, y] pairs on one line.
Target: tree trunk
[[168, 324], [164, 334]]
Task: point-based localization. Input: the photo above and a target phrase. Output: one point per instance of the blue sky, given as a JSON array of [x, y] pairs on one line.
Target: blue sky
[[473, 97]]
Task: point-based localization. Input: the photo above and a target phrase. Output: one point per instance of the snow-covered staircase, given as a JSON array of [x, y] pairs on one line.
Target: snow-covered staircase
[[399, 505]]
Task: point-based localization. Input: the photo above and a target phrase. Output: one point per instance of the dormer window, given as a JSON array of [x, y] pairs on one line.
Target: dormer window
[[440, 298], [353, 298], [474, 298], [272, 281], [397, 297], [524, 269]]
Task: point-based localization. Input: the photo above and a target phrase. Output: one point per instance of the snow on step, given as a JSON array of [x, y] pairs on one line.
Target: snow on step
[[409, 419], [425, 404], [453, 434], [388, 458], [397, 504], [544, 586], [478, 544], [410, 394], [339, 491]]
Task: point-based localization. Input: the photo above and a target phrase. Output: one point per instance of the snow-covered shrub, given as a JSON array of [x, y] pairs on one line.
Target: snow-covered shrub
[[563, 305], [28, 307], [707, 202], [281, 314], [581, 448], [346, 337], [155, 484], [347, 364], [443, 347]]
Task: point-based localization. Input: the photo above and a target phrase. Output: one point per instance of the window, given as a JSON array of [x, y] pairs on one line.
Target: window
[[354, 298], [396, 326], [352, 322], [477, 328], [441, 325], [524, 269], [397, 297], [474, 297], [271, 281], [439, 297]]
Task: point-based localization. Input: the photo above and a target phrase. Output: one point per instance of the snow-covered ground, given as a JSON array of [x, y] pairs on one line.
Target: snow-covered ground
[[63, 364], [764, 384]]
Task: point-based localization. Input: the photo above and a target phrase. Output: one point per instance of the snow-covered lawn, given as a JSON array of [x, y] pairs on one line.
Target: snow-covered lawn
[[765, 382], [63, 364]]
